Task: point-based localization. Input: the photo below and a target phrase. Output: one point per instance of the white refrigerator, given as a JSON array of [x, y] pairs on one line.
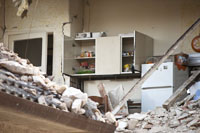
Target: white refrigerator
[[161, 84]]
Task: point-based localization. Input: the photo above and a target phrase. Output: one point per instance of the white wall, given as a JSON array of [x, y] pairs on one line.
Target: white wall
[[76, 9], [90, 87], [1, 19], [163, 20], [47, 16]]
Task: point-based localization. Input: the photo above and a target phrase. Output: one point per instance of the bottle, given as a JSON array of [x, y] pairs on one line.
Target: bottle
[[133, 68]]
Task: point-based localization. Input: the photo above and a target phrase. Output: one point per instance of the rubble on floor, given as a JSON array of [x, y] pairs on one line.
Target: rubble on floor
[[179, 118], [19, 77]]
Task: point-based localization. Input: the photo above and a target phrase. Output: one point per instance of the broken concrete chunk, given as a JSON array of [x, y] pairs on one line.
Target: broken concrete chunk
[[42, 100], [178, 112], [132, 124], [22, 61], [61, 89], [39, 80], [160, 129], [91, 108], [147, 126], [192, 112], [185, 121], [74, 93], [159, 111], [68, 102], [137, 116], [121, 125], [184, 115], [174, 123], [76, 106], [15, 67], [31, 91], [64, 107], [99, 116], [24, 78], [57, 101], [192, 122], [110, 117]]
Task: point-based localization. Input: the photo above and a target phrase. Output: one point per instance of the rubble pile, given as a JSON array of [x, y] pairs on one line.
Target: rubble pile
[[20, 78], [179, 118]]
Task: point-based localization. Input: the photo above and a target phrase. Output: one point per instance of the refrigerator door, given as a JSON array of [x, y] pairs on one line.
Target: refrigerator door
[[153, 97], [163, 76]]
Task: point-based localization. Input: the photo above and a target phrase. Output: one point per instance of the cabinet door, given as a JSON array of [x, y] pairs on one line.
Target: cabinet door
[[143, 49], [70, 50], [108, 55]]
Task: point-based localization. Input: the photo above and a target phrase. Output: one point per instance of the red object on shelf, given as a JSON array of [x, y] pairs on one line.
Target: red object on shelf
[[84, 64], [181, 61], [91, 66]]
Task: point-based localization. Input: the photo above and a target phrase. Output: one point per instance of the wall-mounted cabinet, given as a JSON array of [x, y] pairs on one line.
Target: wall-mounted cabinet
[[79, 56], [135, 49], [106, 55]]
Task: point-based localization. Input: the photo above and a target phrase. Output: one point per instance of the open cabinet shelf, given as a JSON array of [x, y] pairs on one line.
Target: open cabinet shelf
[[127, 52], [79, 55]]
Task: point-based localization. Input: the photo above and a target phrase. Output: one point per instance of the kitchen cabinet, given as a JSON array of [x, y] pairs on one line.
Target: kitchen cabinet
[[135, 49], [110, 55], [79, 55]]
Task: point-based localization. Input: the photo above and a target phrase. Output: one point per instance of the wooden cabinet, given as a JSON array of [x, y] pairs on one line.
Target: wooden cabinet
[[110, 55]]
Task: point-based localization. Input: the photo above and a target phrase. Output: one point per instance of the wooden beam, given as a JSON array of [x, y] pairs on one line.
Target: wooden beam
[[104, 95], [181, 90], [155, 66]]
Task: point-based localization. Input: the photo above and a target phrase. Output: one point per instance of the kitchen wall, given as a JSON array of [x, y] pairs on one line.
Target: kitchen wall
[[76, 14], [1, 19], [44, 16], [163, 20], [90, 87]]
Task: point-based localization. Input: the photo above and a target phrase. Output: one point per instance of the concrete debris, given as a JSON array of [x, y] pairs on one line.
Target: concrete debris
[[41, 100], [121, 125], [99, 116], [132, 124], [182, 118], [20, 78], [18, 68], [77, 106], [110, 117], [74, 93], [137, 116], [61, 89]]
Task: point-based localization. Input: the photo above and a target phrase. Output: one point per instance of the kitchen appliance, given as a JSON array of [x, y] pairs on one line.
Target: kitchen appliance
[[161, 84], [98, 34], [194, 59], [84, 35]]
